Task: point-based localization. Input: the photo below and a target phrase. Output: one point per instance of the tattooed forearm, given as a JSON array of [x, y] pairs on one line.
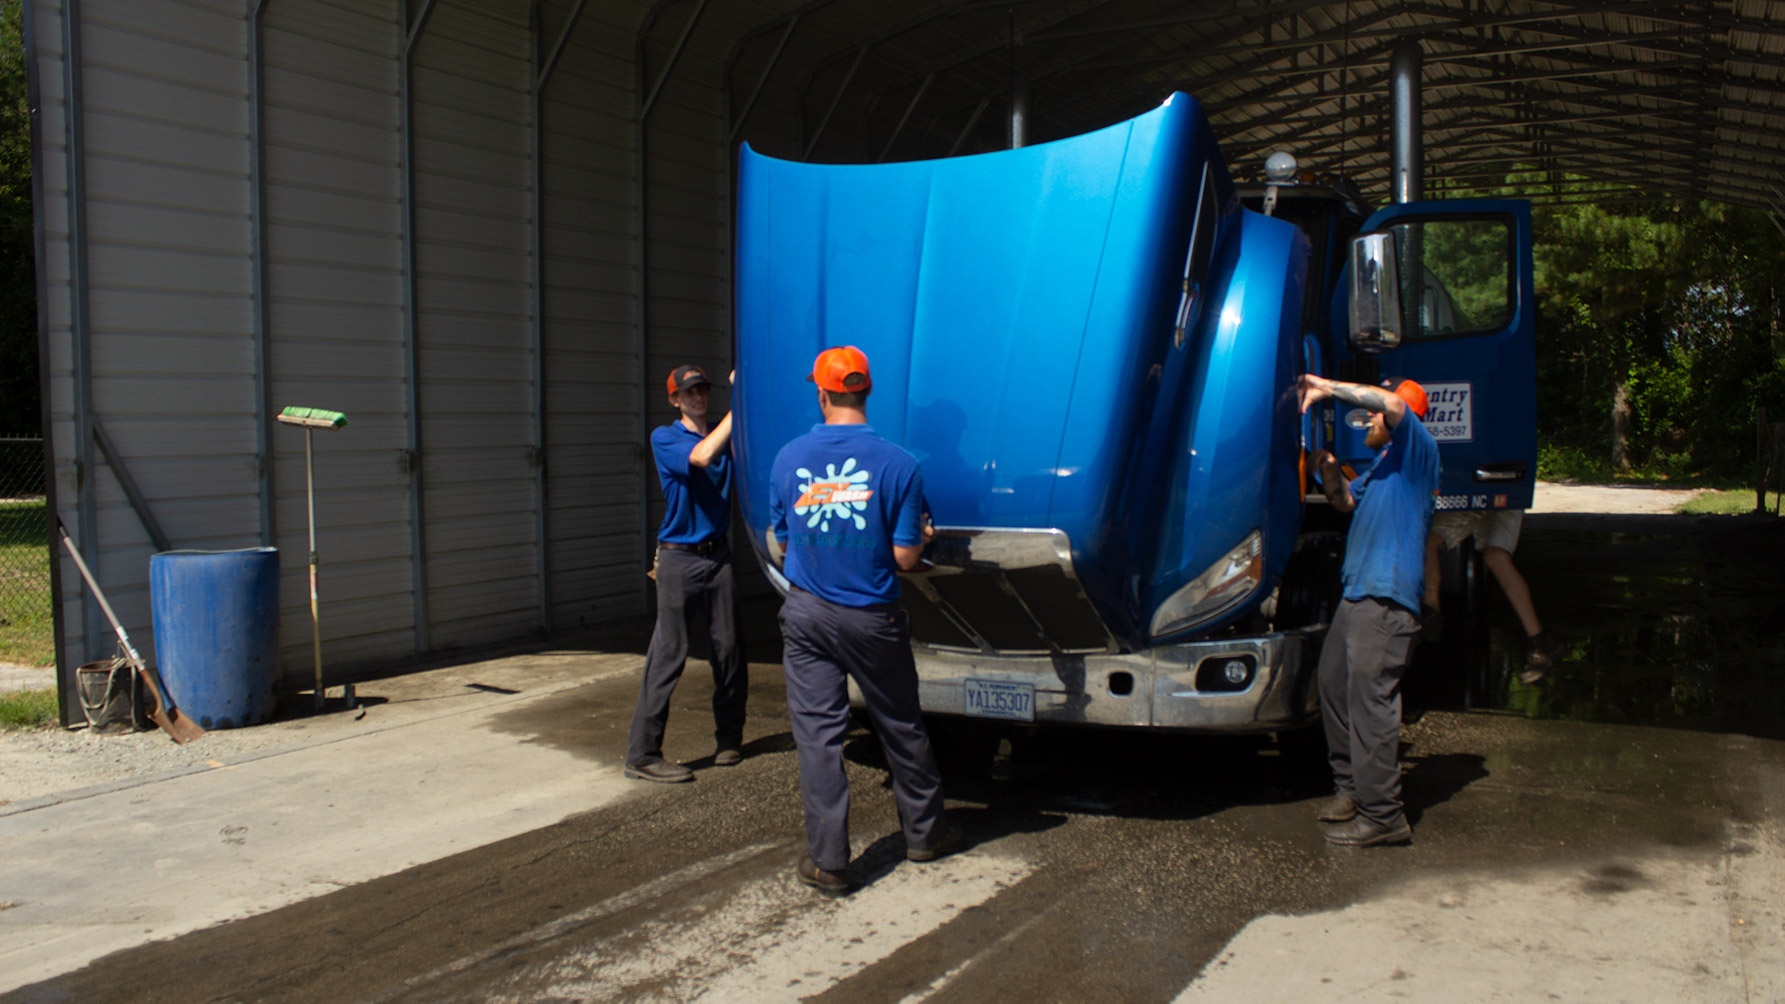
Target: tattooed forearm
[[1364, 397], [1334, 484]]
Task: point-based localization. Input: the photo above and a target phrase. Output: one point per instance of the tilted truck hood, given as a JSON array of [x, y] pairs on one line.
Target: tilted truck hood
[[1018, 311]]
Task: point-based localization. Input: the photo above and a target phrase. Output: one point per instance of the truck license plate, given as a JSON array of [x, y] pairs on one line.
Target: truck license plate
[[1000, 699]]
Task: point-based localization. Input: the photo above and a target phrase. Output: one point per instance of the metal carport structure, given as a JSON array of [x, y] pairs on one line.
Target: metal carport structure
[[483, 228], [1682, 99]]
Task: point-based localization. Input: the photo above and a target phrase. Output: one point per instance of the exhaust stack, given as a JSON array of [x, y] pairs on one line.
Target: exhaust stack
[[1019, 117], [1409, 150]]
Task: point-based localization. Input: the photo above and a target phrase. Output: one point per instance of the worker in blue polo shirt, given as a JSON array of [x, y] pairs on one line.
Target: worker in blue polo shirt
[[1373, 631], [693, 571], [845, 516]]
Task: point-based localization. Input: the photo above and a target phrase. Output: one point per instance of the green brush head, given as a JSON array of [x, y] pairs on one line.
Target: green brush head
[[312, 418]]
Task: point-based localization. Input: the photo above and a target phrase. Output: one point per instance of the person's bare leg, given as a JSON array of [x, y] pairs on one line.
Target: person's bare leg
[[1511, 583], [1434, 575], [1431, 615]]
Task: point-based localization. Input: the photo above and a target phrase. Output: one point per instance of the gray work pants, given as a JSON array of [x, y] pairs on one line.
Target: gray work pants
[[826, 645], [1366, 651], [688, 580]]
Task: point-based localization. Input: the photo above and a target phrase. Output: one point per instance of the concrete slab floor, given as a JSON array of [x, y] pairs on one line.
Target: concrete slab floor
[[249, 820], [1558, 853], [1695, 915], [1662, 924]]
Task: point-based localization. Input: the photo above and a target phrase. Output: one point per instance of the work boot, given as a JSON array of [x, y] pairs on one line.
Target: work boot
[[1363, 832], [1541, 650], [951, 841], [1340, 808], [828, 882], [661, 771]]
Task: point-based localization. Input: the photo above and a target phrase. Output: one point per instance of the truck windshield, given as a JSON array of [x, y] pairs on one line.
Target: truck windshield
[[1466, 265]]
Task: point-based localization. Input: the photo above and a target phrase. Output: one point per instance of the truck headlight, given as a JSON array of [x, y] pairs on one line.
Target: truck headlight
[[1214, 592]]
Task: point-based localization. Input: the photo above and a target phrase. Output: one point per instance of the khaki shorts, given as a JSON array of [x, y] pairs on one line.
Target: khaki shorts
[[1490, 527]]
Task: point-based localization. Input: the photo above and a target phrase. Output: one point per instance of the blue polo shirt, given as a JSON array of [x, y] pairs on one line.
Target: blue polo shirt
[[1385, 555], [840, 497], [697, 500]]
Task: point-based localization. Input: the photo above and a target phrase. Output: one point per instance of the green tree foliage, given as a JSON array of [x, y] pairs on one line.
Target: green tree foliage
[[1659, 333], [19, 389], [1467, 259], [1728, 340]]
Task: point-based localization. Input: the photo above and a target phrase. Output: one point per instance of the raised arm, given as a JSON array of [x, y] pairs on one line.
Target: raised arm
[[1315, 389], [714, 444]]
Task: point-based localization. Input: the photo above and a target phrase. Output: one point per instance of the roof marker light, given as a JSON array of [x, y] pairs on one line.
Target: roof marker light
[[1279, 167]]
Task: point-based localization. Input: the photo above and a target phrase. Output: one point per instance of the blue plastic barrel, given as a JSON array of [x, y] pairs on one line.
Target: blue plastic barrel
[[216, 617]]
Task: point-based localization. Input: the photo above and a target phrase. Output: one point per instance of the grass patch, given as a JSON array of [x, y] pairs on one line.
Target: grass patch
[[1567, 463], [1572, 464], [1728, 503], [27, 630], [28, 709]]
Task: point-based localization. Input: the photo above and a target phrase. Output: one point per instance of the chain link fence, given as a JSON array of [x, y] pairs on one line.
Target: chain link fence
[[26, 629]]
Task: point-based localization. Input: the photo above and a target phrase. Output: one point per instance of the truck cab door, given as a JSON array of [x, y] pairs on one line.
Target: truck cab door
[[1468, 335]]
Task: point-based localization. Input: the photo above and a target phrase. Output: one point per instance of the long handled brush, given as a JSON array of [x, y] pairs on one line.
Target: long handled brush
[[311, 419]]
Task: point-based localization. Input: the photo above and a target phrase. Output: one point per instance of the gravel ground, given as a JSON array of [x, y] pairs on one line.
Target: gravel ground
[[35, 764], [1614, 499], [16, 677]]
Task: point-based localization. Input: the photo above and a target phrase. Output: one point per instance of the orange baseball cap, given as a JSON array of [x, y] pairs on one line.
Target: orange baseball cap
[[1414, 395], [842, 370]]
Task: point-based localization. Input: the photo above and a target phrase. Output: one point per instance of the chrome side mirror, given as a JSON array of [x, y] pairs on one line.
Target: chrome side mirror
[[1375, 294]]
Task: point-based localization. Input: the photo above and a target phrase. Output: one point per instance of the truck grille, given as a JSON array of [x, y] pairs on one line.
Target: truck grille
[[1003, 591]]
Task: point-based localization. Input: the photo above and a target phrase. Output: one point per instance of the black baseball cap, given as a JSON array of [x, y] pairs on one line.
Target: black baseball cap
[[683, 377]]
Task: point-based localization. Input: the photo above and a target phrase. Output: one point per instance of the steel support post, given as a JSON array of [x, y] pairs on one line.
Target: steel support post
[[542, 76], [1019, 117], [641, 341], [67, 700], [257, 190], [412, 34], [79, 318]]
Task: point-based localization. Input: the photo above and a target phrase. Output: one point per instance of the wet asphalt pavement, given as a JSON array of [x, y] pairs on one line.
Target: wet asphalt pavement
[[1104, 866]]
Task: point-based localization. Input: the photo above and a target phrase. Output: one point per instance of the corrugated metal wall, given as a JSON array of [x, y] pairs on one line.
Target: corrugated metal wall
[[158, 337], [167, 97], [688, 218], [334, 224], [473, 321], [592, 396], [687, 237]]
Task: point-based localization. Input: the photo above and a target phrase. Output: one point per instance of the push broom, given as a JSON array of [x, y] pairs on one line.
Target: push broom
[[311, 419]]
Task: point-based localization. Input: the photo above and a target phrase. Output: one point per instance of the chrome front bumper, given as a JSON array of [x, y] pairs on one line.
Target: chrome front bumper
[[1154, 689]]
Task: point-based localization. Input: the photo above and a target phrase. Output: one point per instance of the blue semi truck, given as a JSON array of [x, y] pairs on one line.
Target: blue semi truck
[[1092, 346]]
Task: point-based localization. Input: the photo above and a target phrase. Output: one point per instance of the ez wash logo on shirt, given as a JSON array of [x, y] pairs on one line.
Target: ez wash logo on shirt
[[839, 494]]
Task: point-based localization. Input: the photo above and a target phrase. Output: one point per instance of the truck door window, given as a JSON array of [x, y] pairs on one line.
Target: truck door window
[[1466, 268]]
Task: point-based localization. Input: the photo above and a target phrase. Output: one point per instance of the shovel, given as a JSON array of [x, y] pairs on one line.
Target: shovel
[[161, 709]]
